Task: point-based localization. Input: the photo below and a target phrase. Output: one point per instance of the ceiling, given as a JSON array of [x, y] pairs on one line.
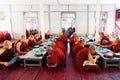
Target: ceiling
[[56, 2]]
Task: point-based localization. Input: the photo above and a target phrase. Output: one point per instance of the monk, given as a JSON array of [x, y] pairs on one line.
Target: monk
[[31, 41], [37, 38], [104, 40], [59, 44], [63, 38], [84, 60], [56, 58], [7, 54], [72, 39], [7, 36], [76, 46], [21, 46], [1, 37]]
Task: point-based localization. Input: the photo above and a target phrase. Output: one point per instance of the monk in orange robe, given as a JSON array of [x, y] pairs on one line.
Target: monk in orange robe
[[1, 37], [21, 46], [56, 58], [63, 38], [84, 60], [7, 36]]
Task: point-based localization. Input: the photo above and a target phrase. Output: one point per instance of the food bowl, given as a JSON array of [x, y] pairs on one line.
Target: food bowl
[[39, 54]]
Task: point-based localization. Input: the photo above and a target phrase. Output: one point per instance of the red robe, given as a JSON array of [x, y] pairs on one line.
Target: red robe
[[106, 39], [57, 56], [7, 36], [60, 45], [1, 37], [31, 43], [71, 41], [63, 38], [23, 47], [75, 48], [81, 56], [115, 48]]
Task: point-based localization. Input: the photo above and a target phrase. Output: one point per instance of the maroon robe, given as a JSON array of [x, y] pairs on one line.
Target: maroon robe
[[60, 45], [31, 43], [75, 48], [1, 37], [105, 39], [23, 46], [81, 56], [63, 38], [71, 41], [7, 36], [115, 48], [57, 56]]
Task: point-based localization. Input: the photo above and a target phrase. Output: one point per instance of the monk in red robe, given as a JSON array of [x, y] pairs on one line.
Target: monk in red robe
[[31, 41], [7, 36], [59, 44], [63, 38], [6, 54], [21, 46], [56, 58], [104, 40], [84, 60], [76, 46], [72, 39], [1, 37], [37, 38]]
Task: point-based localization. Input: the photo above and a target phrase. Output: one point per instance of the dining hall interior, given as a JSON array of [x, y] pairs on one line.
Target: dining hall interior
[[59, 39]]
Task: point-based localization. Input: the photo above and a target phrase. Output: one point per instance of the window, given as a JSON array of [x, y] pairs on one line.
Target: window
[[2, 22], [31, 20]]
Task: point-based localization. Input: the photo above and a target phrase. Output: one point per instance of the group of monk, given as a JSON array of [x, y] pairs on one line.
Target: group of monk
[[4, 36], [83, 54]]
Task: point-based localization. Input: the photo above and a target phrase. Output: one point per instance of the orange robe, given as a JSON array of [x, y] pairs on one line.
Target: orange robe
[[63, 38], [60, 45], [57, 56], [81, 56]]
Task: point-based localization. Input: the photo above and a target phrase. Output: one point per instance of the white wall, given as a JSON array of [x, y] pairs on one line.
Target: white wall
[[53, 22]]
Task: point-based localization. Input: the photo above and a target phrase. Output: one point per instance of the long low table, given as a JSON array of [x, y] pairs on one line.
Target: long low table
[[30, 57], [109, 62]]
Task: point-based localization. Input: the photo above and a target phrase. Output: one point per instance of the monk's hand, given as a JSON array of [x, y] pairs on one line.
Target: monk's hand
[[97, 56], [6, 64]]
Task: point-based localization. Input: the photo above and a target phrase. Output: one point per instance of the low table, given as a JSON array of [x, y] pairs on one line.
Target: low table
[[109, 62], [30, 57]]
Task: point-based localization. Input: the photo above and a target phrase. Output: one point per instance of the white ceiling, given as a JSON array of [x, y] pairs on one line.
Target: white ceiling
[[50, 2]]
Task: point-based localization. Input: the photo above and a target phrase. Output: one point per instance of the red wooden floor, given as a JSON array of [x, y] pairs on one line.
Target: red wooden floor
[[67, 73]]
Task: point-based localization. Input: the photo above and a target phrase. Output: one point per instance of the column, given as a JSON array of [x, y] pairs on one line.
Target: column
[[41, 18], [97, 19]]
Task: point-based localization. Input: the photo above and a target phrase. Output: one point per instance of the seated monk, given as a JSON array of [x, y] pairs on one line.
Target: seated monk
[[104, 40], [56, 57], [37, 38], [6, 55], [59, 44], [76, 46], [47, 35], [85, 55], [1, 37], [7, 36], [72, 39], [31, 41], [115, 47], [63, 38], [21, 46]]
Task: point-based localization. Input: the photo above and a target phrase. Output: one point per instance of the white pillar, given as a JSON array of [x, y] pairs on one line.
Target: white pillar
[[41, 18], [97, 19]]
